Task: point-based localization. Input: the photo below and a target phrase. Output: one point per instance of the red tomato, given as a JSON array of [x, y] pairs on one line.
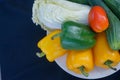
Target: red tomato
[[98, 19]]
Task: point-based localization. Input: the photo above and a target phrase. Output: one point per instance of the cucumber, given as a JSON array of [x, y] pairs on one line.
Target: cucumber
[[113, 31], [114, 5], [79, 1]]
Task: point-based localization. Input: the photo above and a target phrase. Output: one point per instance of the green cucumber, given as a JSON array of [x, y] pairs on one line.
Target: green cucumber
[[114, 5], [79, 1], [113, 31]]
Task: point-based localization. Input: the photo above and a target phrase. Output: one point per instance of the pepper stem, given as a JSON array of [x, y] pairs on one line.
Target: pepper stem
[[54, 36], [40, 54], [108, 63], [82, 69]]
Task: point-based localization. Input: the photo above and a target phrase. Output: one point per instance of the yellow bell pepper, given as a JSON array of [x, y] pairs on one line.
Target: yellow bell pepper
[[80, 62], [51, 47], [104, 56]]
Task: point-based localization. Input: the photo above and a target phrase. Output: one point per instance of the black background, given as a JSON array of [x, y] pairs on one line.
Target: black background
[[18, 39]]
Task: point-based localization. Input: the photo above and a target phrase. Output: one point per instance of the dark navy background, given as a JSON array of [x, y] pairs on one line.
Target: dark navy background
[[18, 45]]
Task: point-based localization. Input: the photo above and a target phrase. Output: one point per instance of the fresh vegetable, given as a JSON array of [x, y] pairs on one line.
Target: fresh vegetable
[[104, 56], [75, 36], [79, 1], [98, 19], [50, 14], [113, 30], [51, 48], [80, 61], [114, 5]]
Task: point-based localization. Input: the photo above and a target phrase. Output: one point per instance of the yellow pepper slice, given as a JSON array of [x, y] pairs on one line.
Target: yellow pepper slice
[[80, 61], [51, 47], [104, 56]]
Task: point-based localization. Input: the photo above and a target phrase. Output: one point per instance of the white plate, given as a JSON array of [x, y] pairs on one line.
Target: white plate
[[95, 74]]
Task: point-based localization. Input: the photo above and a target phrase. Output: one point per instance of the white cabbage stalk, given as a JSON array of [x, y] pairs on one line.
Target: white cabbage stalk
[[51, 14]]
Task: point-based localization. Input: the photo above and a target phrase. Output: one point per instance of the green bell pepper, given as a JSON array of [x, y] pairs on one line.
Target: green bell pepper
[[75, 36]]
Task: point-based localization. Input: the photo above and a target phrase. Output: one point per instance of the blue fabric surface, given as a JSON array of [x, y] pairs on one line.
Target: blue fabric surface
[[18, 39]]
